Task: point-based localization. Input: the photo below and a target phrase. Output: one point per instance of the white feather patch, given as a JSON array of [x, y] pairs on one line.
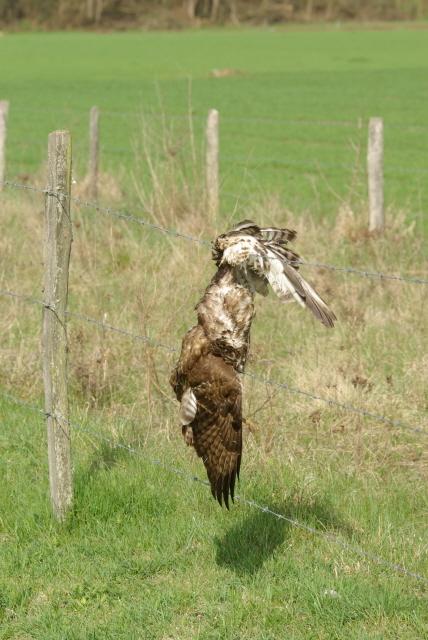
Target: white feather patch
[[188, 407], [239, 250], [279, 281]]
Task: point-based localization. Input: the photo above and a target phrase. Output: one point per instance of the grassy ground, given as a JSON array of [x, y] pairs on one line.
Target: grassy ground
[[294, 106], [147, 553]]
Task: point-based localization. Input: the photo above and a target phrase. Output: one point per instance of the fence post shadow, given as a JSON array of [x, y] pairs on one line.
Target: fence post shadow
[[248, 544]]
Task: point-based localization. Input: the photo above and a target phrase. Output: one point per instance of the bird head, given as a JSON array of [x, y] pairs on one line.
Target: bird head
[[226, 241]]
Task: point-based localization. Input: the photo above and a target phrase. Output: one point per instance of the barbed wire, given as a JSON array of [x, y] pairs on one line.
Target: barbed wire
[[248, 502], [365, 274], [389, 169], [357, 123], [124, 215], [274, 383], [267, 162], [335, 403], [115, 213], [100, 323], [125, 332]]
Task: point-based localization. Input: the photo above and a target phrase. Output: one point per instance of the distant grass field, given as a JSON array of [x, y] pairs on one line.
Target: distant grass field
[[146, 553], [293, 117]]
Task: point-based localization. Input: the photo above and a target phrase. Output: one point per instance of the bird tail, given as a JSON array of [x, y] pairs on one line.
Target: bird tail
[[276, 235]]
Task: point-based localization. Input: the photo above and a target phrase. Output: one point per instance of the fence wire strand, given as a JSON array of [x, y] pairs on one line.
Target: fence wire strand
[[398, 568], [266, 381], [356, 123], [114, 213], [335, 403], [124, 215]]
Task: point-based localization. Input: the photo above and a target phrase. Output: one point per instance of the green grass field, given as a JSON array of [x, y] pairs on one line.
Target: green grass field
[[146, 552], [290, 116]]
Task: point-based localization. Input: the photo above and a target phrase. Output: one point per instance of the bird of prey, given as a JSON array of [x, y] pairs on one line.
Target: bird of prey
[[207, 376]]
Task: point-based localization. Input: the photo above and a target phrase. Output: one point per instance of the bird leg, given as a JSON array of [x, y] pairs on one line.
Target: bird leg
[[187, 434]]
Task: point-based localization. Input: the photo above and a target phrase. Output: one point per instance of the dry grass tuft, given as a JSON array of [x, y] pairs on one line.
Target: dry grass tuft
[[174, 193], [109, 188]]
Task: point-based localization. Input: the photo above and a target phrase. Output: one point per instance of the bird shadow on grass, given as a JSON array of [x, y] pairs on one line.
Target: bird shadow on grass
[[248, 544], [104, 458]]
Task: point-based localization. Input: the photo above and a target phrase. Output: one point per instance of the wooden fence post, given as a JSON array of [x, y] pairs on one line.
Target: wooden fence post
[[93, 152], [375, 174], [212, 171], [4, 108], [58, 237]]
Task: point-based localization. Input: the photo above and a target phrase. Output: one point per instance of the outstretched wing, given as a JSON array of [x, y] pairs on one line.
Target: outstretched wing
[[264, 251], [285, 280], [217, 426]]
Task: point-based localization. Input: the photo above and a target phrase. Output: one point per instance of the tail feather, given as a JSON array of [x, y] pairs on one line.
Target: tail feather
[[279, 236]]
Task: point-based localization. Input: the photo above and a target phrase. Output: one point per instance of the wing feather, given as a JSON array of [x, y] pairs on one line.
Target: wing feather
[[217, 427], [311, 298], [276, 264], [281, 279]]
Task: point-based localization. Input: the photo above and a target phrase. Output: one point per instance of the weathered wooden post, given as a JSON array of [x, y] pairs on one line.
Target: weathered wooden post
[[212, 170], [191, 9], [375, 174], [93, 152], [58, 237], [4, 109]]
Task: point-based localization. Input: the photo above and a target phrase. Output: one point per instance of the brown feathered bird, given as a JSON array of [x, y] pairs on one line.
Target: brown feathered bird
[[206, 378]]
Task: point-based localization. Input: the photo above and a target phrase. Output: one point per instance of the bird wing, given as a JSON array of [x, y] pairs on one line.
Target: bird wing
[[285, 280], [271, 260], [217, 426]]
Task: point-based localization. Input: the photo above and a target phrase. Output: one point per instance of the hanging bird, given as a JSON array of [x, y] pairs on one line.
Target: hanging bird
[[206, 378]]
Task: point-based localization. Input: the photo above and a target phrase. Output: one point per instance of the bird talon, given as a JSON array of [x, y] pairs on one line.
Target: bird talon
[[187, 435]]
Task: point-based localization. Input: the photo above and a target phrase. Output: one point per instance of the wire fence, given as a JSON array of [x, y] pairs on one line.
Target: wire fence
[[266, 381], [129, 217], [329, 537], [261, 162], [324, 168], [357, 122], [267, 162]]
